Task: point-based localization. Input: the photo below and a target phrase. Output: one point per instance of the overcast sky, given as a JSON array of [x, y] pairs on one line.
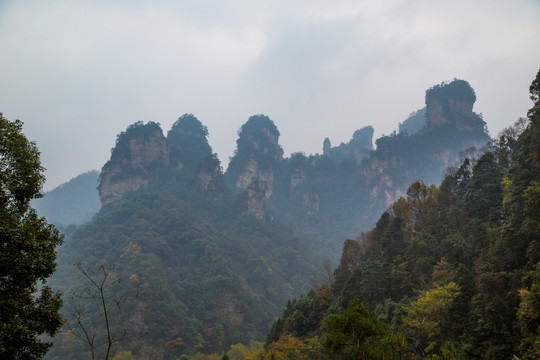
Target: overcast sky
[[78, 72]]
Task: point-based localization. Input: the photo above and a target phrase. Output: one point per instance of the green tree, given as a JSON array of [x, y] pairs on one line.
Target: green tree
[[27, 251], [529, 317], [357, 334], [428, 317]]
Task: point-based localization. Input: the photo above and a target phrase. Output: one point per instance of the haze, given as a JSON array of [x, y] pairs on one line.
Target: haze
[[78, 72]]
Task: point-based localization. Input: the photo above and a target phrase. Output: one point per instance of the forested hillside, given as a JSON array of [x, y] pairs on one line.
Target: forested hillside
[[448, 272], [184, 259], [188, 270]]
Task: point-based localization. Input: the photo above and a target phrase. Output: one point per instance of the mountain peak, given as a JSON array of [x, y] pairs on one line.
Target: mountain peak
[[450, 105]]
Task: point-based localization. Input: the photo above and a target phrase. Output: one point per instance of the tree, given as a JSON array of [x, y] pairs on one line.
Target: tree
[[107, 308], [357, 334], [529, 317], [27, 251], [429, 315]]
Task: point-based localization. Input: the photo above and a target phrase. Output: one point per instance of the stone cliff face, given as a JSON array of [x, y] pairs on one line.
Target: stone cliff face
[[452, 126], [451, 104], [257, 159], [252, 174], [255, 199], [139, 150], [142, 149], [335, 194]]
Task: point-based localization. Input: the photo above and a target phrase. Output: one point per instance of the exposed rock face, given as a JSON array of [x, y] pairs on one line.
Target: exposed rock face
[[250, 173], [451, 104], [258, 156], [138, 151], [452, 126], [112, 189], [209, 175], [142, 149], [459, 112], [297, 178], [337, 193], [255, 199], [311, 202], [363, 138]]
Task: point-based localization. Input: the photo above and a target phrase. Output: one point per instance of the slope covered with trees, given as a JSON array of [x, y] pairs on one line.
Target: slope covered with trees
[[193, 271], [448, 272], [193, 260]]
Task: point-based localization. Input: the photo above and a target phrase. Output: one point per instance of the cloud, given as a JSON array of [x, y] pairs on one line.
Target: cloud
[[78, 72]]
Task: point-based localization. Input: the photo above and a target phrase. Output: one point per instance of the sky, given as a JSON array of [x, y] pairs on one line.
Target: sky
[[78, 72]]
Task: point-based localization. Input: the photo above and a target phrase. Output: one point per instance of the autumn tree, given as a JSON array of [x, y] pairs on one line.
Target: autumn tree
[[428, 317], [27, 251]]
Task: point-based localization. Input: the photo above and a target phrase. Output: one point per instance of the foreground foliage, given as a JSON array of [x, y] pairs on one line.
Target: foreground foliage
[[27, 251]]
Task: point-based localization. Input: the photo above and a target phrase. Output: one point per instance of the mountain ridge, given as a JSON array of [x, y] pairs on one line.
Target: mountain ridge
[[241, 242]]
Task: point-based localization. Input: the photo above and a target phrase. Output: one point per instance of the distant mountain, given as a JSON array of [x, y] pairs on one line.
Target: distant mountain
[[215, 253], [72, 203], [336, 195]]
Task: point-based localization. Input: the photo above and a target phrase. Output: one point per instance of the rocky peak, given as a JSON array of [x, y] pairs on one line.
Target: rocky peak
[[358, 147], [142, 149], [327, 145], [188, 142], [363, 139], [140, 146], [258, 154], [138, 150], [451, 105]]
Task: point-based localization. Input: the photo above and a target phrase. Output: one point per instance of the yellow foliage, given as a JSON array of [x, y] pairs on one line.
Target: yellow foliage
[[131, 251], [289, 347], [237, 351], [443, 272], [201, 356], [258, 354], [431, 308]]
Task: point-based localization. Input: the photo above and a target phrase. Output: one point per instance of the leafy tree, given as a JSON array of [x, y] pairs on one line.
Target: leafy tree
[[484, 193], [350, 259], [290, 347], [27, 251], [529, 317], [355, 334], [428, 316]]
